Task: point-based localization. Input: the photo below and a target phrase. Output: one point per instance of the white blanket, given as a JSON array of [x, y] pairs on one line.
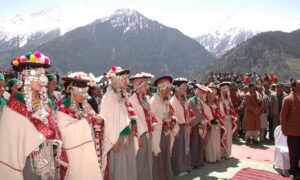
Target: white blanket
[[79, 144], [18, 138]]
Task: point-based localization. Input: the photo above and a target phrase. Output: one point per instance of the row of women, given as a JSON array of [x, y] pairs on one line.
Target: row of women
[[133, 136]]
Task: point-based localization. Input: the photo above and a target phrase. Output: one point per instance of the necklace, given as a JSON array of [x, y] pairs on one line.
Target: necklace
[[80, 109]]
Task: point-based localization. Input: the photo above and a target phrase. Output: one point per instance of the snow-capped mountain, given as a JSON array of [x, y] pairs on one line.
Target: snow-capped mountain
[[219, 42], [228, 32], [130, 20], [40, 27], [126, 38]]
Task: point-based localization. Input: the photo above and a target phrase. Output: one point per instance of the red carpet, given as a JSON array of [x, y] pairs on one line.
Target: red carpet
[[251, 153], [255, 174]]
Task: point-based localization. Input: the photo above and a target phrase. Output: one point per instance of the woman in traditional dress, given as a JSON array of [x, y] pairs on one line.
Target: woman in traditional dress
[[212, 114], [181, 155], [119, 152], [145, 120], [75, 118], [29, 138], [198, 128], [230, 117], [164, 131]]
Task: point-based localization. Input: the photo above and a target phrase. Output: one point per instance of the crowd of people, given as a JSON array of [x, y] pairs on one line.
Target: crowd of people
[[129, 128]]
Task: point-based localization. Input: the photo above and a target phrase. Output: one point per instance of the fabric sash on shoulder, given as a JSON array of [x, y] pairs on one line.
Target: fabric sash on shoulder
[[16, 105]]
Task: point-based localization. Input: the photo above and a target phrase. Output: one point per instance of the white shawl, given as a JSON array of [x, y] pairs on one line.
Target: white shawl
[[142, 126], [181, 119], [179, 111], [161, 111], [79, 144], [18, 138], [116, 119]]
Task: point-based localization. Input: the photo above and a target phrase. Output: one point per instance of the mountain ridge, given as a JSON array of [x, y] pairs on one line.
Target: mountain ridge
[[272, 51], [129, 39]]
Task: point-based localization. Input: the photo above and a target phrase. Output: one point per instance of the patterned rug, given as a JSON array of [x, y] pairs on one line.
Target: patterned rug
[[255, 174]]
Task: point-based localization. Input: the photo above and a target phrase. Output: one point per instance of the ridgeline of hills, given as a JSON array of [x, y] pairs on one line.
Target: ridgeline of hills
[[277, 52], [127, 39]]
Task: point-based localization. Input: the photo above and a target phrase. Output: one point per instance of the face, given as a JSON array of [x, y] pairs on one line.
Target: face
[[279, 89], [52, 85], [143, 90], [297, 87], [78, 98], [14, 88], [35, 86], [233, 88], [2, 84], [182, 89], [214, 93], [201, 94], [123, 83], [287, 91], [266, 86], [165, 92], [95, 92], [224, 90], [259, 90]]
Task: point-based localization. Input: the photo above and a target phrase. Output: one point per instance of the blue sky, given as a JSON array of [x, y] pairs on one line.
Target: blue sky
[[192, 17]]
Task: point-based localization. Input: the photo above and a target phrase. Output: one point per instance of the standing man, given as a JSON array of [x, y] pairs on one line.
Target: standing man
[[264, 100], [236, 100], [290, 124], [275, 107], [252, 115], [93, 98]]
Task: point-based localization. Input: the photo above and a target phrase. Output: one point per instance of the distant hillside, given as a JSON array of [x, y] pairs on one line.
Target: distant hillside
[[277, 52]]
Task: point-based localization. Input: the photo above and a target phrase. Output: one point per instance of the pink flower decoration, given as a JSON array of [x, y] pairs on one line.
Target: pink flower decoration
[[18, 59], [23, 59], [114, 68], [47, 60], [38, 54]]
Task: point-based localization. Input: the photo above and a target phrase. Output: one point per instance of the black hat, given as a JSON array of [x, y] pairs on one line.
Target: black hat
[[76, 82], [163, 79]]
